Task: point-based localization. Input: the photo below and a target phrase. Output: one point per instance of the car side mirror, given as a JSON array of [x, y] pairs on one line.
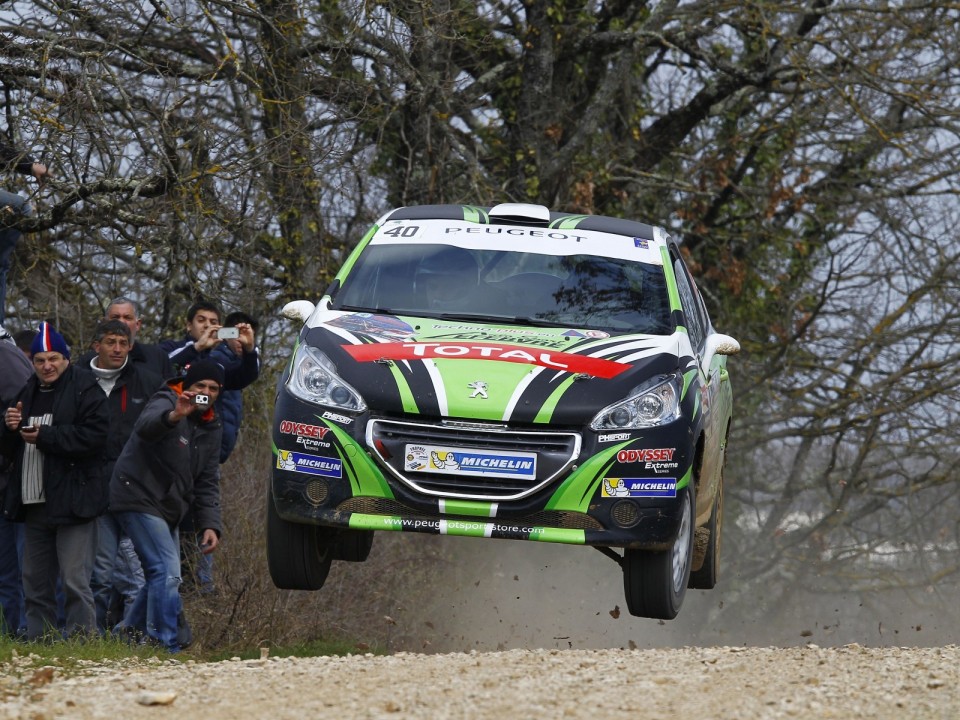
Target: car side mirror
[[717, 344], [298, 310], [722, 345]]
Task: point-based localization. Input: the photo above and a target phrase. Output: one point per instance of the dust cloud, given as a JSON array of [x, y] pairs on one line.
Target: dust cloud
[[502, 595]]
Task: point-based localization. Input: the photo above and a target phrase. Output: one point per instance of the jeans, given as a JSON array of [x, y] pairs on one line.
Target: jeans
[[158, 603], [116, 570], [9, 237], [14, 616], [52, 550]]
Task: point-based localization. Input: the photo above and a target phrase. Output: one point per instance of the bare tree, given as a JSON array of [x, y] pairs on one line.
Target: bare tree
[[806, 153]]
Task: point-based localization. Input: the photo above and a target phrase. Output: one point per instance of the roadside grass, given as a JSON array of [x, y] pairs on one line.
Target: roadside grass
[[69, 656]]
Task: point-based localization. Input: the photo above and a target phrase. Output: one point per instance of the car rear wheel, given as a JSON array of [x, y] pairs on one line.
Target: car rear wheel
[[706, 577], [655, 582], [298, 555]]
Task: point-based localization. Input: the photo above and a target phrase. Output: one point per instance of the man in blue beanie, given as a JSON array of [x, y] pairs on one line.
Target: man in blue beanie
[[55, 433], [170, 459]]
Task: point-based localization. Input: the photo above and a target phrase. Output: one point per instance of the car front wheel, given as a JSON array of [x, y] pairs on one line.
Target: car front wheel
[[298, 555], [655, 582]]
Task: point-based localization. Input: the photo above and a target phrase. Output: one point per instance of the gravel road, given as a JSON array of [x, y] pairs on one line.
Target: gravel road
[[716, 682]]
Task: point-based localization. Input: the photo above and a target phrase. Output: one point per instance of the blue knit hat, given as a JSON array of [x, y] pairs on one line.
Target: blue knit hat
[[49, 340]]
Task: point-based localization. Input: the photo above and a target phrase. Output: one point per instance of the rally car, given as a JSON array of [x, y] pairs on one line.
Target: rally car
[[506, 372]]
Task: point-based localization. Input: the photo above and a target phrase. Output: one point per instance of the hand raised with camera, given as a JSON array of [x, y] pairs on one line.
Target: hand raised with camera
[[183, 407]]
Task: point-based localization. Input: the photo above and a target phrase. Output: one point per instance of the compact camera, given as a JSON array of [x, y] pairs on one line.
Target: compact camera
[[201, 399], [228, 333]]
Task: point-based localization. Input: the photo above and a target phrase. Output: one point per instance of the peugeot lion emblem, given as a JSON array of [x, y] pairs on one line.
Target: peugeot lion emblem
[[479, 388]]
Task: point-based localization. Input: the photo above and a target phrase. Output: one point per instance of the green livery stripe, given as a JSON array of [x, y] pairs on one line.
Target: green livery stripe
[[672, 291], [352, 258], [362, 521], [365, 477], [469, 508], [466, 528], [558, 535], [403, 387], [457, 375], [473, 214], [685, 480], [546, 410], [568, 223], [687, 381], [577, 490]]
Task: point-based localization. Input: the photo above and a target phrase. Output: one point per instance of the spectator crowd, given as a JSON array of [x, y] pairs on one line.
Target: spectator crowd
[[110, 472]]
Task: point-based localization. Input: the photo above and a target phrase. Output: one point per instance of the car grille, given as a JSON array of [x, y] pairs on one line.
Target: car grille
[[555, 452]]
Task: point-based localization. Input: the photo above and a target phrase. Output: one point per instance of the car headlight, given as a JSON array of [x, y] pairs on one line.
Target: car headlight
[[314, 379], [654, 403]]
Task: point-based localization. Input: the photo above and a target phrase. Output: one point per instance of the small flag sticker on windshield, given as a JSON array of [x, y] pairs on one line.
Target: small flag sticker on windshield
[[640, 243]]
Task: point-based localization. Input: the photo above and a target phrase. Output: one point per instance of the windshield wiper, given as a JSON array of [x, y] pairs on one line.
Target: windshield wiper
[[502, 319], [357, 308]]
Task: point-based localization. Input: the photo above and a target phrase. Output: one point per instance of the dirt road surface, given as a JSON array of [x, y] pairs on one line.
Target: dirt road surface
[[718, 682]]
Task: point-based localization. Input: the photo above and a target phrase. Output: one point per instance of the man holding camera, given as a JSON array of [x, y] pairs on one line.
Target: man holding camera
[[169, 465], [204, 334]]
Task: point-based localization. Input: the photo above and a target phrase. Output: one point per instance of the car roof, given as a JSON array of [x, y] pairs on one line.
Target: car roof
[[529, 215]]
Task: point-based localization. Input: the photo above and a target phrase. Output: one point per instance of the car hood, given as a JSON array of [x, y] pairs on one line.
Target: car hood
[[405, 365]]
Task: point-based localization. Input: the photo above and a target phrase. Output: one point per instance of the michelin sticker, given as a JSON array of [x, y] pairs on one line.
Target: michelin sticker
[[460, 461], [639, 487], [310, 464]]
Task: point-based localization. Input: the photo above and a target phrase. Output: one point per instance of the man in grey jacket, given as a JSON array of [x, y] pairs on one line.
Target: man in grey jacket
[[170, 461]]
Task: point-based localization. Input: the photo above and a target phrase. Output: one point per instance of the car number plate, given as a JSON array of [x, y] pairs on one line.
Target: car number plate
[[448, 460]]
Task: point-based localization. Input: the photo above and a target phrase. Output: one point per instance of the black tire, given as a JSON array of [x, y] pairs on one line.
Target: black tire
[[655, 582], [706, 577], [353, 545], [298, 555]]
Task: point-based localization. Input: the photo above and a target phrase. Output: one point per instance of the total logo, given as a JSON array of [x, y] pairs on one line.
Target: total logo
[[552, 359]]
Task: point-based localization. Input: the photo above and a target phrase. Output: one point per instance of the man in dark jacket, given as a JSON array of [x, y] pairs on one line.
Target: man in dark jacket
[[229, 353], [128, 386], [15, 369], [55, 434], [169, 463]]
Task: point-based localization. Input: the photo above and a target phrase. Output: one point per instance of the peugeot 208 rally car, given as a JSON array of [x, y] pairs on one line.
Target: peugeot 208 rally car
[[506, 372]]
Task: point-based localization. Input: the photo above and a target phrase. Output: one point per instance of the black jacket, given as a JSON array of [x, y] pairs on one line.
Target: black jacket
[[135, 386], [15, 370], [237, 373], [74, 483], [164, 468]]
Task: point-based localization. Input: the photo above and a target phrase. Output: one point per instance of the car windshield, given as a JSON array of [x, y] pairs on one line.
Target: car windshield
[[446, 281]]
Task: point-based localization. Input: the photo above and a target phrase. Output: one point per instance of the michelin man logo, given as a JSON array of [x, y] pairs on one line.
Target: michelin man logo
[[285, 460], [618, 490], [443, 460], [479, 388]]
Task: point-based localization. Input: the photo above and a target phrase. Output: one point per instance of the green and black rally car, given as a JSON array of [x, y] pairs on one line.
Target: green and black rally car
[[506, 372]]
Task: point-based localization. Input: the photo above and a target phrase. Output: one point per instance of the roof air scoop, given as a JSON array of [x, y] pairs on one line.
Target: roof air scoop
[[520, 214]]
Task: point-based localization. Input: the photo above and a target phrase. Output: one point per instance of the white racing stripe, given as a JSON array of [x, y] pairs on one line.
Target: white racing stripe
[[438, 386]]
